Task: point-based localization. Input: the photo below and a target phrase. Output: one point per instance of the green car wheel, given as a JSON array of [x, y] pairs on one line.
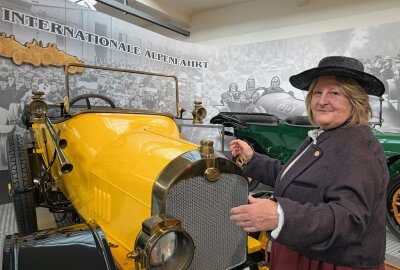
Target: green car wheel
[[393, 206]]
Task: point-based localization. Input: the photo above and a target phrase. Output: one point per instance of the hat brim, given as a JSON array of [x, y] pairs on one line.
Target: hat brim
[[371, 84]]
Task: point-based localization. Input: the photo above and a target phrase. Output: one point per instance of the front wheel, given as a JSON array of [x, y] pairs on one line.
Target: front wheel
[[22, 185], [393, 206]]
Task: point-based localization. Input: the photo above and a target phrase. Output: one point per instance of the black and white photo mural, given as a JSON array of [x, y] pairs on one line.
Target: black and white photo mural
[[242, 78]]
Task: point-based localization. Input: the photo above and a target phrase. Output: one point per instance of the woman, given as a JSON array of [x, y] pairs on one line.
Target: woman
[[328, 210]]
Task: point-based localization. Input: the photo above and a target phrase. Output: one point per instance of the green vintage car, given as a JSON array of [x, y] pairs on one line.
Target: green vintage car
[[279, 138]]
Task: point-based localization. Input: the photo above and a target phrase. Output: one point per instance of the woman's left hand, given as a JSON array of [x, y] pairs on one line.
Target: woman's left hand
[[258, 215]]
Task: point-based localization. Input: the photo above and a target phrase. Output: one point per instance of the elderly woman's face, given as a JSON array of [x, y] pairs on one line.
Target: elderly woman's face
[[329, 106]]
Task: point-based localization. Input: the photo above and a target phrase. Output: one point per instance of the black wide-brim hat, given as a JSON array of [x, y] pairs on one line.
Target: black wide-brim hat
[[339, 66]]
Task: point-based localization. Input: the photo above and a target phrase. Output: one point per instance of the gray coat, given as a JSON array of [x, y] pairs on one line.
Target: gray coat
[[333, 197]]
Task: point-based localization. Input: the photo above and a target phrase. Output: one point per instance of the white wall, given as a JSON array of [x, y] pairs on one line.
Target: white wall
[[257, 21]]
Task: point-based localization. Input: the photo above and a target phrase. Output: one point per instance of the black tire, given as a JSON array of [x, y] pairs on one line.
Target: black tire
[[392, 197], [18, 166]]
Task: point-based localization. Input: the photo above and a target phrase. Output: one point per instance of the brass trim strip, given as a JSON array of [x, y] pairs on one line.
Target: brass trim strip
[[186, 166]]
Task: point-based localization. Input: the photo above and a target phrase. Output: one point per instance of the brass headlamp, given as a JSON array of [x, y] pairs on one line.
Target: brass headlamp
[[163, 244], [38, 107], [199, 113]]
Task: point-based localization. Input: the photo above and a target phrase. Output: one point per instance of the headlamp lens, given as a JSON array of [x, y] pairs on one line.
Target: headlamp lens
[[163, 244], [173, 250], [163, 250], [38, 108]]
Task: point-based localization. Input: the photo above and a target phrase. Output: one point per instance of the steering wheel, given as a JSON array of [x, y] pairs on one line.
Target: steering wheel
[[88, 96]]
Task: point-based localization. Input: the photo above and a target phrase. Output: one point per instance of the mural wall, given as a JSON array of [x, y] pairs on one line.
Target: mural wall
[[251, 78]]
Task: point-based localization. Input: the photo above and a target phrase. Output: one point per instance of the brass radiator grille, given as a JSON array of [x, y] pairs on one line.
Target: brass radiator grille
[[204, 209]]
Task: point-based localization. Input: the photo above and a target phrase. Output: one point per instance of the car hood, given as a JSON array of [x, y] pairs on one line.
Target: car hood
[[126, 151]]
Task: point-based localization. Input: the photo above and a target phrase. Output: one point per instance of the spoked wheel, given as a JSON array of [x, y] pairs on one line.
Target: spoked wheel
[[21, 184], [393, 206]]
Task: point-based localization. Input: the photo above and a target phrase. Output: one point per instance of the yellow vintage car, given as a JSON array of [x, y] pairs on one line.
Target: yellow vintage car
[[134, 193]]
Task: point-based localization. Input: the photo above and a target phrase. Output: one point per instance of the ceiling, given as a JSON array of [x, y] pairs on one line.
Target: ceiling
[[192, 7], [204, 21], [175, 13]]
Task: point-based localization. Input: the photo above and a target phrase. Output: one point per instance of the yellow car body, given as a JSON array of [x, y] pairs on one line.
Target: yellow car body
[[120, 149]]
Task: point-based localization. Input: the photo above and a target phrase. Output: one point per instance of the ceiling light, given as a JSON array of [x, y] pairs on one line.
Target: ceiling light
[[85, 3]]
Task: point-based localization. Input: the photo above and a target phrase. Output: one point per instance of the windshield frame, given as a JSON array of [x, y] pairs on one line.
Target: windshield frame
[[79, 67]]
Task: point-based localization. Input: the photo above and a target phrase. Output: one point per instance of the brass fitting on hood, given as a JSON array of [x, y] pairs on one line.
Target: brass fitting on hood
[[212, 174]]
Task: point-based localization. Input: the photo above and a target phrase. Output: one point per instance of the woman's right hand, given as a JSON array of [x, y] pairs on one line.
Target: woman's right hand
[[241, 149]]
